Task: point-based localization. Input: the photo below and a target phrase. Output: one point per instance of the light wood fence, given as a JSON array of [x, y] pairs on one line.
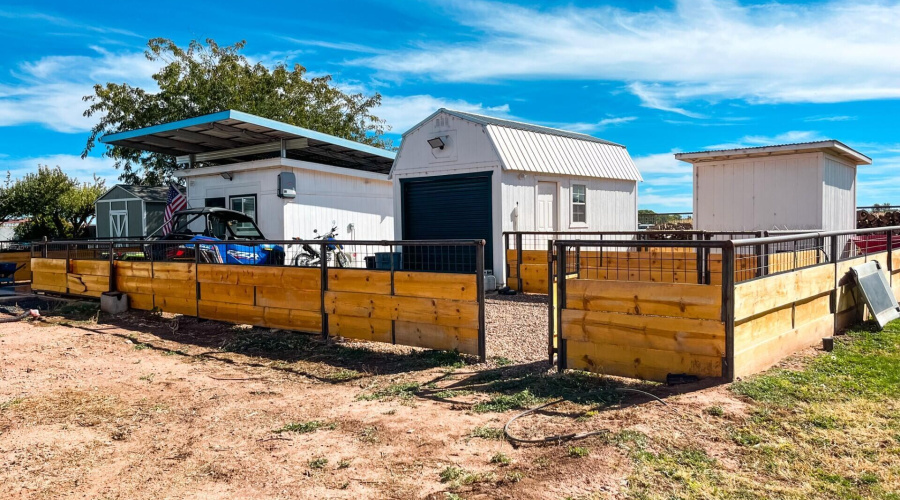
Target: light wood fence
[[423, 309]]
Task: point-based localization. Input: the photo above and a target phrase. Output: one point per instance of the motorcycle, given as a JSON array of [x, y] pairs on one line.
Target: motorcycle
[[310, 257]]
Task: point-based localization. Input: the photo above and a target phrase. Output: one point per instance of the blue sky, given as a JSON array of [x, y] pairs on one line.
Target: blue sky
[[657, 77]]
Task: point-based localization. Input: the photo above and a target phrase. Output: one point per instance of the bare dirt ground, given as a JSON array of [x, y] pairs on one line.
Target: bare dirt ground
[[150, 406]]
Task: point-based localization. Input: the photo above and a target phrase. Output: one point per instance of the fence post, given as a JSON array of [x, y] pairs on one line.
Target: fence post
[[393, 321], [890, 256], [759, 249], [561, 304], [323, 264], [112, 269], [197, 276], [479, 281], [519, 261], [728, 281], [44, 248], [834, 291], [700, 271], [551, 294]]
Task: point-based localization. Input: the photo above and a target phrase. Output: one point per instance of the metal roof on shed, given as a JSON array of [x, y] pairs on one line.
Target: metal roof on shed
[[146, 193], [234, 129], [545, 150], [831, 146]]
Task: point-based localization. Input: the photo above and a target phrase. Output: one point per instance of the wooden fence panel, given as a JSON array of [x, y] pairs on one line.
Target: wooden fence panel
[[636, 297], [19, 258]]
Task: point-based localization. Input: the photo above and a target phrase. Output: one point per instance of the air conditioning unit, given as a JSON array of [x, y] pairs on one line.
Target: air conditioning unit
[[287, 185]]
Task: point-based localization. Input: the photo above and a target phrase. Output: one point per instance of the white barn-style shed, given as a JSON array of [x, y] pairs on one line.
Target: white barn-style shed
[[290, 179], [463, 175], [791, 186]]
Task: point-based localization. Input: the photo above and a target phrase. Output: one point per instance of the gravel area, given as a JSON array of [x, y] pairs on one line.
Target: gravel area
[[516, 327]]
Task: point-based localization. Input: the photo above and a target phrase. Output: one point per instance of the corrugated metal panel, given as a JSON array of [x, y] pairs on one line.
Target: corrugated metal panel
[[531, 151], [839, 196]]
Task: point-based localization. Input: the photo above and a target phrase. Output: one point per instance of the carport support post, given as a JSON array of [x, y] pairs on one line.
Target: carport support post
[[479, 281], [561, 304], [323, 263], [728, 309], [519, 260]]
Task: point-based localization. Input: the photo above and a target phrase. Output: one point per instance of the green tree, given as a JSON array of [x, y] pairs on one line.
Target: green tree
[[208, 78], [57, 206]]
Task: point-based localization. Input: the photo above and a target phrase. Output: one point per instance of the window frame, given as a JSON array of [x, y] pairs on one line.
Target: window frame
[[255, 205], [573, 204]]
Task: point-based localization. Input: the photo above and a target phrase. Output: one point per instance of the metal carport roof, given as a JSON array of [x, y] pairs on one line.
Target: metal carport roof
[[232, 129]]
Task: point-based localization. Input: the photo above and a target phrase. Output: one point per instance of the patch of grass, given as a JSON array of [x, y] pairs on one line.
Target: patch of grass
[[451, 473], [505, 402], [304, 427], [514, 476], [9, 403], [449, 495], [403, 390], [343, 464], [148, 377], [343, 375], [447, 359], [318, 463], [369, 435], [488, 433], [745, 437], [501, 361], [715, 411], [586, 416], [77, 311], [500, 459], [453, 393], [255, 341], [578, 451], [141, 346]]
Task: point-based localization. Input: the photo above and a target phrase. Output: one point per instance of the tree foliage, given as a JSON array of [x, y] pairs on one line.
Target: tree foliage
[[207, 78], [57, 206]]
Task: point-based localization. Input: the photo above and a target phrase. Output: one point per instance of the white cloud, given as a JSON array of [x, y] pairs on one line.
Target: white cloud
[[681, 202], [698, 49], [49, 91], [402, 112], [82, 169], [661, 163], [590, 128], [840, 118]]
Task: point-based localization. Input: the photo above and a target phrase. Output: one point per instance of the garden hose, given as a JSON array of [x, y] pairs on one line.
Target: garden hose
[[12, 319], [563, 437]]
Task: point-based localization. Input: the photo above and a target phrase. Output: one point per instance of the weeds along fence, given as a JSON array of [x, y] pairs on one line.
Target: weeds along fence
[[418, 293], [529, 254], [648, 309]]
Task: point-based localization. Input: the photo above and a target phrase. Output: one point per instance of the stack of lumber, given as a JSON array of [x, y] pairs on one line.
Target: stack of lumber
[[670, 226], [866, 219]]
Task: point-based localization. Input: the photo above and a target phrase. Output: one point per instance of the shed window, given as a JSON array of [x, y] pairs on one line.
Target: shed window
[[579, 203], [245, 204]]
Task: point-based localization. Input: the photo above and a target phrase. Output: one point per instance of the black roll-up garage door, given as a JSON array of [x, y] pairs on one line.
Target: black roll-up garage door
[[444, 208]]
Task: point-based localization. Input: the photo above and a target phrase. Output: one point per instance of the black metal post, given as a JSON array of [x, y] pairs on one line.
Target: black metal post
[[728, 309], [479, 280], [834, 291], [44, 248], [700, 259], [393, 321], [112, 268], [759, 267], [197, 277], [561, 305], [551, 294], [519, 262], [890, 256], [323, 264]]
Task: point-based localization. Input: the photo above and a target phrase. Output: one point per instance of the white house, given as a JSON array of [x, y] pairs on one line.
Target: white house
[[290, 179], [462, 175], [792, 186]]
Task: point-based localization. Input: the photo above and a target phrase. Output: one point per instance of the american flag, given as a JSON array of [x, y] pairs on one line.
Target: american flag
[[175, 201]]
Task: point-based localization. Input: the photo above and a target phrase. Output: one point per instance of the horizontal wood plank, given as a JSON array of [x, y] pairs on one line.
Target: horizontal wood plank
[[292, 319], [287, 298], [755, 297], [450, 286], [183, 289], [140, 301], [133, 269], [182, 271], [85, 284], [129, 284], [54, 280], [648, 364], [696, 336], [759, 329], [431, 336], [370, 329], [359, 280], [809, 310], [176, 305], [418, 310], [92, 267], [232, 313], [231, 294], [39, 265], [654, 299], [761, 356]]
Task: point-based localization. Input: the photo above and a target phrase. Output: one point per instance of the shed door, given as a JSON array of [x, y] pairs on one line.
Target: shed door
[[118, 223], [546, 207], [442, 208]]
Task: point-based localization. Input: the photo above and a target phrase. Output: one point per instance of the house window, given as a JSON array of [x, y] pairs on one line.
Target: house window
[[579, 203], [245, 204]]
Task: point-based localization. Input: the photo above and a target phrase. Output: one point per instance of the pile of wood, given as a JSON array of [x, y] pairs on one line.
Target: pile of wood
[[670, 226], [866, 219]]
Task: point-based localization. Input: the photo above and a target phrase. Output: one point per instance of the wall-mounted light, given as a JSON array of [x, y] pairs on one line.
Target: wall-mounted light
[[436, 143], [227, 175]]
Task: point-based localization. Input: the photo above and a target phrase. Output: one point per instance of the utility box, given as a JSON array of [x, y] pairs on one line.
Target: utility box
[[113, 302], [287, 185]]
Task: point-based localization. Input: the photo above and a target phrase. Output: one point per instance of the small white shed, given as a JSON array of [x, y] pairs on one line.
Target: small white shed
[[463, 175], [791, 186], [290, 179]]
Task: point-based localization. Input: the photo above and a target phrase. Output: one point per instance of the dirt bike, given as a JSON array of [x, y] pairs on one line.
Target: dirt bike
[[310, 257]]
